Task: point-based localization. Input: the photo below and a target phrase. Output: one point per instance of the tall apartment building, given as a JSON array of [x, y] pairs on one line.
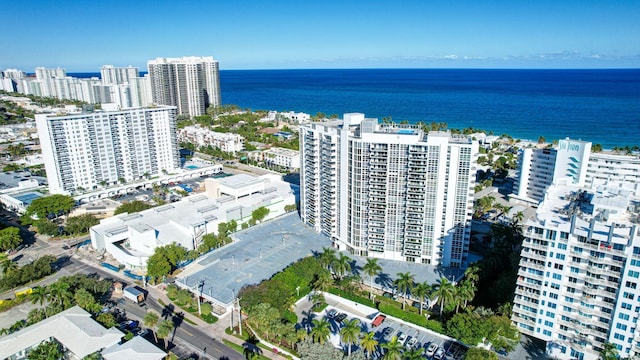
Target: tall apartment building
[[140, 91], [574, 162], [190, 83], [388, 192], [578, 284], [50, 73], [114, 75], [86, 150]]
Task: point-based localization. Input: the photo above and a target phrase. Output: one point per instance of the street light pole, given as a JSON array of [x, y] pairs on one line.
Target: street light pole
[[199, 295], [239, 317]]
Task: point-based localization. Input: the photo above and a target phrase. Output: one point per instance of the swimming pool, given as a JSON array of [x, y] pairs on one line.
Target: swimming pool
[[192, 167]]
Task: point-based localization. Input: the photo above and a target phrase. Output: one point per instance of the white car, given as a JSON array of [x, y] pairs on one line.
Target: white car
[[431, 350], [402, 338], [411, 342], [439, 355]]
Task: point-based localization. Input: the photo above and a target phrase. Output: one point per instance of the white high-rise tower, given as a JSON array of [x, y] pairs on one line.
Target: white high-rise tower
[[387, 191], [190, 83]]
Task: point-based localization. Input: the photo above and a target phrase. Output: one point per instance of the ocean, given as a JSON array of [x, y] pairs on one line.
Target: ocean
[[601, 106]]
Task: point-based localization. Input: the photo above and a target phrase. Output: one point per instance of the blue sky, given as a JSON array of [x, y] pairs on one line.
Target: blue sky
[[277, 34]]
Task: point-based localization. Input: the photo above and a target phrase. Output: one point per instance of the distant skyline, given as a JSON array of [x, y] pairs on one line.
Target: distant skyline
[[81, 36]]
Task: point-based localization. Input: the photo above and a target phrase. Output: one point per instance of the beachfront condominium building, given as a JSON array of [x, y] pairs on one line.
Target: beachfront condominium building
[[50, 73], [578, 284], [86, 150], [190, 83], [388, 191], [113, 75], [573, 161], [203, 137]]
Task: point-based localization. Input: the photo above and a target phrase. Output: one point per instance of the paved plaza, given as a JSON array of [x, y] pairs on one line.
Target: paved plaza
[[255, 255], [261, 251]]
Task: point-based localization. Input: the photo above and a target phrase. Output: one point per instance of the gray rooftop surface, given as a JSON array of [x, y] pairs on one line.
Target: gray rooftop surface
[[256, 254], [261, 251]]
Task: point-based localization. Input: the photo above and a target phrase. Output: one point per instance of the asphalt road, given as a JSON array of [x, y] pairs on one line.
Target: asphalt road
[[199, 343], [185, 334], [187, 340]]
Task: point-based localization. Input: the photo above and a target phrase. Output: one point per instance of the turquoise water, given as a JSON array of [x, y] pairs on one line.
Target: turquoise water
[[192, 167]]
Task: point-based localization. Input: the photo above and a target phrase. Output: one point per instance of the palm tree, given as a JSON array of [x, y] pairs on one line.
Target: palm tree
[[150, 320], [349, 334], [472, 273], [465, 292], [164, 329], [369, 343], [320, 331], [413, 354], [445, 291], [421, 291], [59, 292], [517, 218], [323, 281], [39, 295], [371, 269], [609, 352], [404, 283], [393, 349], [341, 266], [503, 209], [327, 257], [8, 266], [36, 315]]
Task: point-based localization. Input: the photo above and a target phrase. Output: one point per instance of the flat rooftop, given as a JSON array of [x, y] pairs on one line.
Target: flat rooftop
[[263, 250]]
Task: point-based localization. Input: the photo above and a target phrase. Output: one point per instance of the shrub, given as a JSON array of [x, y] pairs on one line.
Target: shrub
[[350, 296], [290, 316]]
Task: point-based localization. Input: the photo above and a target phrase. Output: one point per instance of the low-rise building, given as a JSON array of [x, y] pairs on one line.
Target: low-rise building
[[132, 238], [79, 336], [286, 158], [200, 136]]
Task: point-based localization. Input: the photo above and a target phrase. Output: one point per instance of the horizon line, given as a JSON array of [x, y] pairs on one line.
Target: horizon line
[[387, 68]]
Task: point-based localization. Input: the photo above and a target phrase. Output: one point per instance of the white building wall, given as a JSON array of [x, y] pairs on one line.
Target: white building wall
[[83, 150], [578, 281], [199, 136], [358, 177]]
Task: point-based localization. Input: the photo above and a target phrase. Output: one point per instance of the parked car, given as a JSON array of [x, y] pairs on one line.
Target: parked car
[[332, 313], [142, 332], [387, 331], [132, 324], [439, 355], [402, 338], [431, 350], [340, 317], [411, 343], [407, 342]]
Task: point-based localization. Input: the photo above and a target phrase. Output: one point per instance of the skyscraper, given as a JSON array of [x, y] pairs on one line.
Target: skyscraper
[[85, 150], [578, 284], [112, 75], [190, 83], [387, 191]]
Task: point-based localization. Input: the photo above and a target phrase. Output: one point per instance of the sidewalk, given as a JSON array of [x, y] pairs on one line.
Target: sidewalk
[[217, 330]]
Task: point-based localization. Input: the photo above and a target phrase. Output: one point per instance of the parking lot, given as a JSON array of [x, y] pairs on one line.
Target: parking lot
[[412, 336]]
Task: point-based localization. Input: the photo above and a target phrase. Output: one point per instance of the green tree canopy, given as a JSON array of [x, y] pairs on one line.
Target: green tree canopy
[[259, 214], [46, 350], [132, 207], [10, 238], [476, 353], [52, 206], [79, 225]]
